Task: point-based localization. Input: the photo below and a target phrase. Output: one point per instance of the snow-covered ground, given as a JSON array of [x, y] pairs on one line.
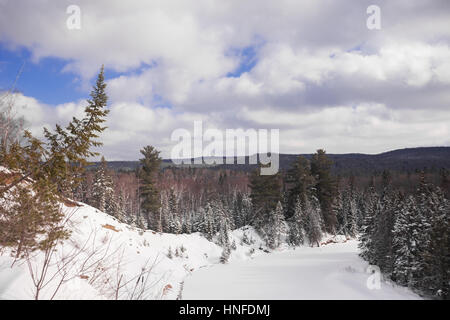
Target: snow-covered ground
[[106, 259], [332, 271]]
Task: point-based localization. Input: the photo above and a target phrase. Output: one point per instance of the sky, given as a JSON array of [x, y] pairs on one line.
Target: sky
[[312, 69]]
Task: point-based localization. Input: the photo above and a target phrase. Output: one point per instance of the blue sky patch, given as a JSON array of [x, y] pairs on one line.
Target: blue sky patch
[[45, 80], [248, 59]]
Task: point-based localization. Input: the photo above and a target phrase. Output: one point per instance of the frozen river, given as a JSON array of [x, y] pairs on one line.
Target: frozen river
[[333, 271]]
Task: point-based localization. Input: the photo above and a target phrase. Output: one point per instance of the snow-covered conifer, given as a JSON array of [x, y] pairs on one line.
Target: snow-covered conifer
[[295, 230]]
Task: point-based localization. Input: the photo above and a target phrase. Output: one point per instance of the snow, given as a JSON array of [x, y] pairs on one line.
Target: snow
[[333, 271], [106, 259], [108, 254]]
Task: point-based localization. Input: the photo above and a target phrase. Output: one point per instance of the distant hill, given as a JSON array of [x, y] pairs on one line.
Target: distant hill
[[409, 159]]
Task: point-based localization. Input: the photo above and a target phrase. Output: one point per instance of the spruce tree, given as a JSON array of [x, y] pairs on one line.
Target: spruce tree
[[208, 222], [313, 221], [430, 273], [45, 170], [296, 231], [404, 242], [437, 256], [366, 244], [265, 194], [103, 197], [325, 187], [275, 227], [383, 226], [423, 221], [246, 210], [299, 182]]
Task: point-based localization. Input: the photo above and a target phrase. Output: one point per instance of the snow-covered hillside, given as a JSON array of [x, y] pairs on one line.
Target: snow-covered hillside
[[106, 259]]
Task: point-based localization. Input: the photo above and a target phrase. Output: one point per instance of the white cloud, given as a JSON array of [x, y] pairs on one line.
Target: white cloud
[[320, 75]]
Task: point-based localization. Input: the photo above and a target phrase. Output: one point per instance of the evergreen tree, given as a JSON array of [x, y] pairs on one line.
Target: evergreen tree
[[404, 241], [246, 210], [103, 197], [275, 227], [326, 188], [313, 221], [208, 222], [265, 194], [148, 191], [437, 256], [353, 216], [430, 273], [445, 182], [44, 169], [295, 230], [423, 221], [172, 215], [224, 239], [121, 208], [366, 244], [340, 208], [383, 226], [299, 182], [236, 208]]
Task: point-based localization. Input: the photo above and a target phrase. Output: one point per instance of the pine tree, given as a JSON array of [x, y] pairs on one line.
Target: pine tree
[[236, 208], [275, 227], [326, 188], [219, 213], [353, 217], [32, 220], [383, 226], [296, 231], [299, 182], [44, 171], [366, 244], [208, 223], [437, 256], [224, 239], [149, 194], [404, 241], [265, 194], [445, 182], [103, 197], [198, 224], [430, 273], [423, 221], [121, 207], [172, 214], [246, 210], [340, 208], [313, 221]]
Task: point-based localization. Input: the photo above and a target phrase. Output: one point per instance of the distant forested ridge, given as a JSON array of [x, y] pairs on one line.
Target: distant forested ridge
[[429, 159]]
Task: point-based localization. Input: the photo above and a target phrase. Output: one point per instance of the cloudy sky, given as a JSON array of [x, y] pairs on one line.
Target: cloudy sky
[[309, 68]]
